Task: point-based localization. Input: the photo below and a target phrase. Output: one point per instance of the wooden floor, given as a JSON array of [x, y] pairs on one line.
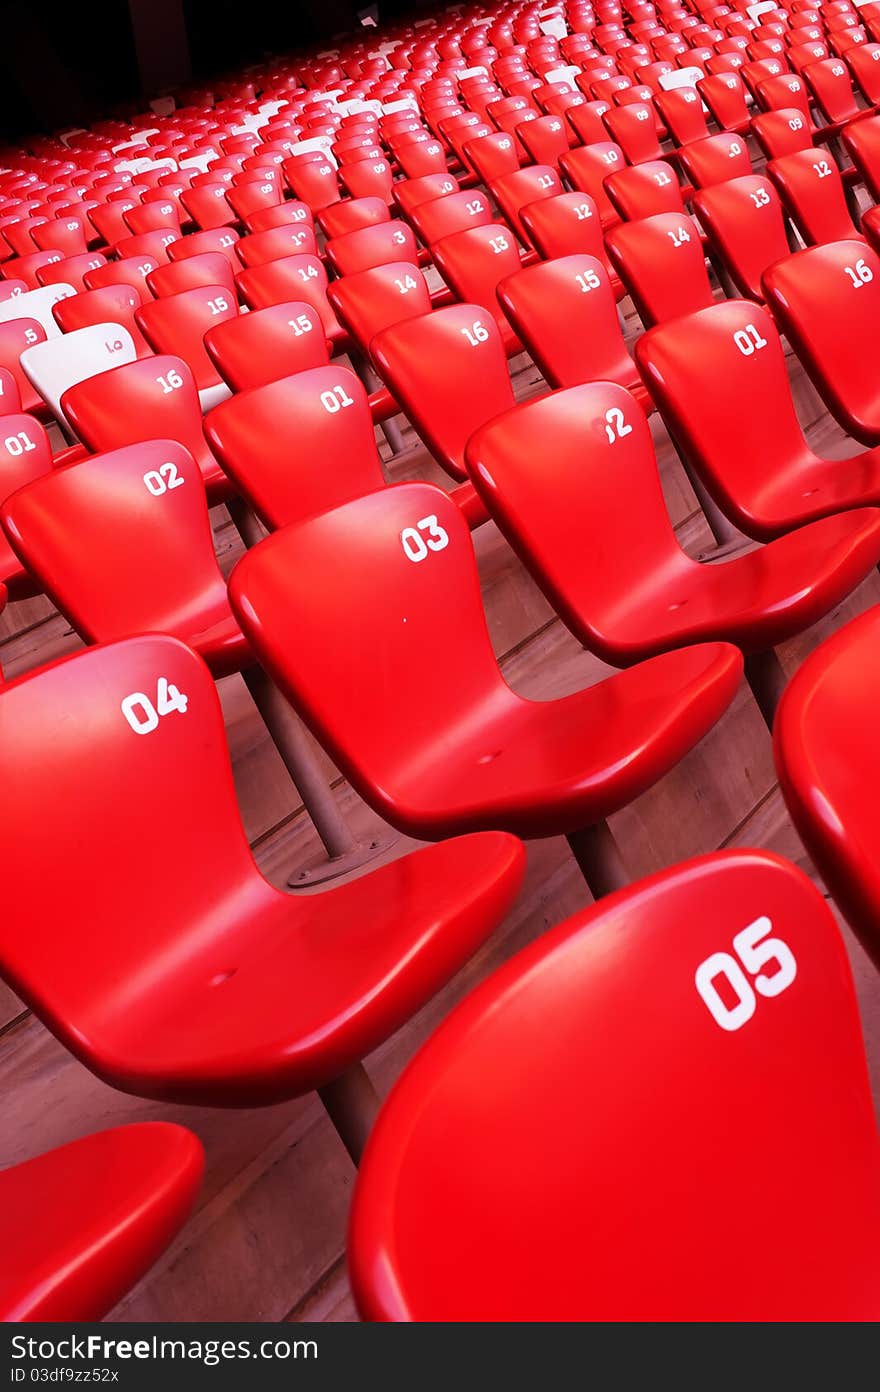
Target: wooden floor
[[267, 1240]]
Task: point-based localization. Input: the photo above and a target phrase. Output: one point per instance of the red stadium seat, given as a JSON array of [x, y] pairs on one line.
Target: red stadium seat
[[208, 207], [132, 271], [643, 190], [826, 755], [517, 190], [634, 129], [156, 398], [479, 754], [725, 95], [661, 264], [372, 246], [249, 350], [473, 263], [682, 112], [762, 474], [177, 325], [15, 336], [812, 190], [625, 602], [746, 228], [352, 214], [367, 178], [25, 454], [217, 239], [161, 215], [88, 1219], [289, 240], [588, 167], [372, 300], [862, 141], [305, 444], [290, 278], [410, 193], [207, 268], [782, 132], [831, 89], [10, 399], [58, 363], [70, 270], [291, 990], [826, 301], [567, 225], [722, 977], [313, 182], [716, 159], [564, 313], [149, 244], [449, 373], [440, 217]]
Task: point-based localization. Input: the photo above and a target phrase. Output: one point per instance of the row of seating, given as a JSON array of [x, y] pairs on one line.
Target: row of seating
[[183, 307]]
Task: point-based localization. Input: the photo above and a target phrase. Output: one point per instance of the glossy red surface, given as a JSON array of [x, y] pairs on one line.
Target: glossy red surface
[[290, 278], [462, 751], [448, 370], [226, 991], [826, 755], [372, 300], [527, 1077], [474, 263], [811, 188], [565, 314], [176, 325], [156, 398], [81, 1224], [826, 301], [763, 474], [744, 221], [591, 526], [249, 350], [661, 262]]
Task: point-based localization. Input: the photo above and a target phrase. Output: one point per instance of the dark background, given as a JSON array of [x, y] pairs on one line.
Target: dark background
[[67, 62]]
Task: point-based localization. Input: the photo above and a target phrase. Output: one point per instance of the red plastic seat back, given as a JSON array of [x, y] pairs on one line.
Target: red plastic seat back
[[411, 193], [831, 88], [682, 111], [121, 542], [372, 246], [149, 244], [824, 740], [716, 159], [207, 205], [423, 596], [545, 139], [155, 398], [82, 738], [782, 131], [515, 191], [249, 350], [25, 454], [864, 63], [642, 190], [115, 304], [784, 90], [177, 324], [64, 233], [290, 240], [722, 978], [442, 216], [862, 141], [131, 271], [208, 268], [217, 239], [564, 312], [279, 215], [725, 96], [684, 363], [826, 301], [660, 260], [254, 194], [299, 445], [351, 214], [418, 158], [10, 400], [564, 225], [153, 217], [448, 370], [602, 469], [367, 178], [587, 169], [474, 262], [746, 227], [290, 278], [634, 129], [492, 156], [313, 182], [15, 336], [372, 300], [812, 190]]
